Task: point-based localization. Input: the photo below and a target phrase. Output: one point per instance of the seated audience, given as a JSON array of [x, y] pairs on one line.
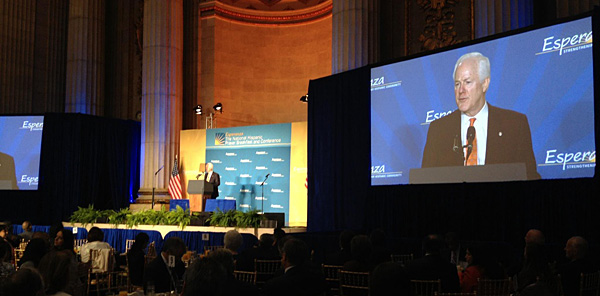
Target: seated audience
[[469, 277], [232, 286], [55, 270], [278, 234], [26, 234], [343, 255], [6, 266], [570, 273], [64, 240], [54, 229], [137, 259], [389, 276], [264, 251], [380, 252], [205, 276], [25, 282], [535, 266], [166, 271], [454, 251], [298, 278], [233, 241], [432, 266], [95, 242], [35, 250], [361, 248]]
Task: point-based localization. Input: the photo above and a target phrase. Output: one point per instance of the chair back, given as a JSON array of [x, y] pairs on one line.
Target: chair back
[[265, 269], [208, 249], [489, 287], [589, 284], [425, 287], [402, 258], [455, 294], [245, 276], [331, 273], [128, 244], [151, 254], [102, 260], [353, 283]]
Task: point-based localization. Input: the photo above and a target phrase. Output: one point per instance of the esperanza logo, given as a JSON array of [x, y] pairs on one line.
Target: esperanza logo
[[571, 160], [32, 126], [567, 44], [30, 180], [219, 139]]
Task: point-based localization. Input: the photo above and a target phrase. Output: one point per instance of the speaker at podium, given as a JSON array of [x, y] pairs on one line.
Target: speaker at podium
[[199, 191]]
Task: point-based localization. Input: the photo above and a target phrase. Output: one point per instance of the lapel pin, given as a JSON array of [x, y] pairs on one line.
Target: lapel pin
[[499, 134]]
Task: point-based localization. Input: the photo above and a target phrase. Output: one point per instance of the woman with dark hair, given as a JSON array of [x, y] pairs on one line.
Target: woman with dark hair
[[468, 277], [35, 250], [55, 270], [64, 240]]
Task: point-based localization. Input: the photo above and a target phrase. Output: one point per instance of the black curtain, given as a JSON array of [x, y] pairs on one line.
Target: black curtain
[[340, 195]]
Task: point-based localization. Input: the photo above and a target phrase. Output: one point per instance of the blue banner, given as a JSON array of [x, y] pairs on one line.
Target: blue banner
[[244, 157]]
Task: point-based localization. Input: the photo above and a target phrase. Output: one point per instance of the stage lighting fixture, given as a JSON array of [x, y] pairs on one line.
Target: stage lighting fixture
[[304, 98], [198, 109], [218, 107]]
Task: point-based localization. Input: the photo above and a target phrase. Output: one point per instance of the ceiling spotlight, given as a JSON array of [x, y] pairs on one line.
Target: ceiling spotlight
[[304, 98], [198, 109], [218, 107]]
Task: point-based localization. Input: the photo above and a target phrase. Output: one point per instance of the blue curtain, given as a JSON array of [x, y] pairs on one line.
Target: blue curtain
[[117, 237], [194, 242]]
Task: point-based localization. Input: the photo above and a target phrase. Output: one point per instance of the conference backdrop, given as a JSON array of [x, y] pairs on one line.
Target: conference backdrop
[[21, 139], [245, 157], [546, 74]]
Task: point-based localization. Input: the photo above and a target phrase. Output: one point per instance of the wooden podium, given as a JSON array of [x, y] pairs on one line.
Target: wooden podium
[[199, 191]]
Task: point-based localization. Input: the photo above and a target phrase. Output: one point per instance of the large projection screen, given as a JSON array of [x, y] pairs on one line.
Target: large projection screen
[[545, 74], [20, 145]]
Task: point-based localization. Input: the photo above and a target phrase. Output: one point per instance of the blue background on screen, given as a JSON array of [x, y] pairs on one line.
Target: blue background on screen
[[553, 88]]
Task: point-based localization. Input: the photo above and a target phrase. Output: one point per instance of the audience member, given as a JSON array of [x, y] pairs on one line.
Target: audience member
[[205, 276], [166, 271], [389, 276], [233, 242], [54, 229], [25, 282], [95, 242], [454, 251], [278, 234], [6, 266], [344, 254], [136, 259], [35, 250], [55, 269], [535, 266], [233, 287], [297, 279], [361, 248], [570, 273], [432, 266], [380, 252], [64, 240], [26, 234], [264, 251], [469, 277], [534, 236]]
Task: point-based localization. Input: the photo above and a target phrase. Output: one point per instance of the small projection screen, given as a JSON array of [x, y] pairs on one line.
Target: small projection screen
[[20, 145], [545, 74]]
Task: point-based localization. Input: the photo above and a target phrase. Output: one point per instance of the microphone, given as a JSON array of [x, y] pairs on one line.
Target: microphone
[[266, 177], [456, 146], [470, 139], [159, 170], [199, 175]]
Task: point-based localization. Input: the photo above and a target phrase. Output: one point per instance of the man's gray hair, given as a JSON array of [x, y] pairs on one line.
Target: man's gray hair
[[483, 65]]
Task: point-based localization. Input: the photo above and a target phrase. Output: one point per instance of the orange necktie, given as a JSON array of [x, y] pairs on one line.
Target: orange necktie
[[472, 160]]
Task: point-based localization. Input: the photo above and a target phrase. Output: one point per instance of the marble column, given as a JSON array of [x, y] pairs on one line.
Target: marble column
[[191, 65], [355, 40], [17, 31], [85, 57], [162, 84]]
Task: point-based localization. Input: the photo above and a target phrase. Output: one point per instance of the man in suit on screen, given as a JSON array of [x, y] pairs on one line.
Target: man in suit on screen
[[479, 133], [212, 178], [8, 176]]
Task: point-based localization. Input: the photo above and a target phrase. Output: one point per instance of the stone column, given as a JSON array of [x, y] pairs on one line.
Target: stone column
[[162, 85], [17, 31], [85, 57], [191, 65], [355, 40]]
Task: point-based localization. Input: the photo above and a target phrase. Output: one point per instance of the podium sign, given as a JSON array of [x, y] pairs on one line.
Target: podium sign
[[198, 190], [477, 173]]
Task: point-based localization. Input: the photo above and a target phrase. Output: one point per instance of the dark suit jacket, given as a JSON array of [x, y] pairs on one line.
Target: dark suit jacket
[[433, 267], [7, 170], [157, 273], [215, 180], [298, 280], [508, 141]]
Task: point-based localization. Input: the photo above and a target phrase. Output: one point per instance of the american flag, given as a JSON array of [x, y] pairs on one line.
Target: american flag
[[175, 182]]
